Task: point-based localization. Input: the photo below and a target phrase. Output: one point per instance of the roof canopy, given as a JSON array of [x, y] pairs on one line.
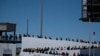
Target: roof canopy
[[8, 27]]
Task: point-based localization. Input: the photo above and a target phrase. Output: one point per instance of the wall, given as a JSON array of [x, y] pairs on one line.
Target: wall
[[86, 51], [7, 48]]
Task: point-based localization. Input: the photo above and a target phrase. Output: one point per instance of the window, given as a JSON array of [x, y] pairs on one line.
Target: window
[[84, 2], [84, 14]]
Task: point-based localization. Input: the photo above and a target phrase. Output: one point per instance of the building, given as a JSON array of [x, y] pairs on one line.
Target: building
[[90, 10], [8, 42]]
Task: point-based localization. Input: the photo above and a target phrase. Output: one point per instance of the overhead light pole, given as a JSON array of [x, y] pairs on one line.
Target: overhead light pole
[[27, 27], [41, 19], [89, 38], [93, 44]]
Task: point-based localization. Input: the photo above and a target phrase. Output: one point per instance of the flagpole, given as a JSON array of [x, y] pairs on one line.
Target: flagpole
[[41, 20]]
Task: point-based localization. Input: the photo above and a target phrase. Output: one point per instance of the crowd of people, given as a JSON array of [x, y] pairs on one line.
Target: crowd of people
[[19, 38], [45, 50], [51, 51], [11, 38]]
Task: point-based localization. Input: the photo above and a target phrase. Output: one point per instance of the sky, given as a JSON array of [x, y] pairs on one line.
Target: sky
[[60, 18]]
